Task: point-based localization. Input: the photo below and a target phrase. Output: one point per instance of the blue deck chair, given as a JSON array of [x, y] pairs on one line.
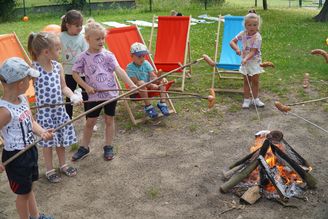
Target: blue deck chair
[[229, 62]]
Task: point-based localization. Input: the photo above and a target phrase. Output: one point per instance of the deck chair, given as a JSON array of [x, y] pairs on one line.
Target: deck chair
[[172, 44], [119, 41], [10, 46], [228, 65]]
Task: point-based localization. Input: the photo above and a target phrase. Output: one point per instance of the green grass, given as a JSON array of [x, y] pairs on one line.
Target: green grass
[[289, 34]]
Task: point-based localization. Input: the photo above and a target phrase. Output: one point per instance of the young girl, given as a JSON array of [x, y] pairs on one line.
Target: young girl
[[49, 87], [72, 44], [251, 58], [98, 66]]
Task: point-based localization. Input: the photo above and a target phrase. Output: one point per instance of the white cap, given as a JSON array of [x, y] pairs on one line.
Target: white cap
[[15, 69], [138, 49]]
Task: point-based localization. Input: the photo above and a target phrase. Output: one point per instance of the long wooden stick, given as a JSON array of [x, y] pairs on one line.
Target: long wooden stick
[[99, 106], [132, 99]]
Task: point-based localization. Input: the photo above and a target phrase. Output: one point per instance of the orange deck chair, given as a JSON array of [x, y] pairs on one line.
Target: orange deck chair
[[10, 46], [172, 44], [119, 41]]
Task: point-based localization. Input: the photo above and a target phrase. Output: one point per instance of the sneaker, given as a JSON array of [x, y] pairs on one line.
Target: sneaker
[[163, 107], [246, 103], [108, 152], [42, 216], [81, 153], [150, 111], [258, 102]]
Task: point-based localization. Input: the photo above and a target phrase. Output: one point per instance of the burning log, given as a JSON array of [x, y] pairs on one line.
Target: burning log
[[298, 157], [272, 177], [307, 177], [244, 159], [238, 177], [229, 173]]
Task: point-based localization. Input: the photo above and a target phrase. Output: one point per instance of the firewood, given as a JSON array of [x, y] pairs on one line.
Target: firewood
[[272, 177], [238, 177], [302, 161], [244, 159], [229, 173], [251, 195], [307, 177]]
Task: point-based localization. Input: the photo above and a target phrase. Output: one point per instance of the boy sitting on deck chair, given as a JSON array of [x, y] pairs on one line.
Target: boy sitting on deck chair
[[141, 71]]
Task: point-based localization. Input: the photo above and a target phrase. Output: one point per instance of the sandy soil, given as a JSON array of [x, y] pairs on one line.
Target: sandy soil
[[172, 168]]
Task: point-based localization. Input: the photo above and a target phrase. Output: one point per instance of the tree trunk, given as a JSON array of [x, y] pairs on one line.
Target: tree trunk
[[323, 15], [255, 3], [265, 5]]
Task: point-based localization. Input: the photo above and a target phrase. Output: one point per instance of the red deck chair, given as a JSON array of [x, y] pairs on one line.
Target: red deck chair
[[10, 46], [119, 41], [172, 44]]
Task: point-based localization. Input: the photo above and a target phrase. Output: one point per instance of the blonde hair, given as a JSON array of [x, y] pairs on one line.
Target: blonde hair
[[251, 15], [40, 41], [93, 26]]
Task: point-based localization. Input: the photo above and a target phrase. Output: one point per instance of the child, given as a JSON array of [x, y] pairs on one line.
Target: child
[[251, 57], [72, 44], [49, 88], [140, 71], [17, 127], [98, 66]]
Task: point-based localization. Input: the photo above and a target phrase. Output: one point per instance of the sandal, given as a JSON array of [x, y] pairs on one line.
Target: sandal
[[68, 170], [52, 176]]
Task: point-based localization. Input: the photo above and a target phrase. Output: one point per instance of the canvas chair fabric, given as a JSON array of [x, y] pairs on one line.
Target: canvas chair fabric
[[10, 46], [229, 60], [119, 41]]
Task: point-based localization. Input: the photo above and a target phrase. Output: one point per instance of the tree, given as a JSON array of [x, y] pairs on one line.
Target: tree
[[323, 14], [265, 5]]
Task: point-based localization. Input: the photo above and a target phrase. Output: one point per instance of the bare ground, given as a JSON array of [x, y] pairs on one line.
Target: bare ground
[[171, 168]]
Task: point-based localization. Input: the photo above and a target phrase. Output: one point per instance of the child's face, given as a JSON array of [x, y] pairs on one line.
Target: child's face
[[24, 84], [96, 40], [252, 26], [74, 29], [54, 53], [138, 59]]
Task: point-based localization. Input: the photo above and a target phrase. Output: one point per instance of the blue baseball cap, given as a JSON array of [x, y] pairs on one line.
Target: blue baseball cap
[[15, 69], [138, 49]]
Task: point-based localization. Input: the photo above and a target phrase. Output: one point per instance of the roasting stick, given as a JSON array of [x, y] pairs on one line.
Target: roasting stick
[[286, 110], [210, 99], [304, 102], [99, 106]]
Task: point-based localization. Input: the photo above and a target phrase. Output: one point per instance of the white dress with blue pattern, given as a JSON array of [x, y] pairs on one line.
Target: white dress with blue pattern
[[48, 91]]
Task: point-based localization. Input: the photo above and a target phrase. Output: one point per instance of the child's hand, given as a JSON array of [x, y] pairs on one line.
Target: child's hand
[[164, 81], [47, 135], [2, 168], [243, 62], [238, 52], [90, 90]]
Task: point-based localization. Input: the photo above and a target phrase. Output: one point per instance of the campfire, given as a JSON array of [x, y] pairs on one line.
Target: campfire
[[273, 169]]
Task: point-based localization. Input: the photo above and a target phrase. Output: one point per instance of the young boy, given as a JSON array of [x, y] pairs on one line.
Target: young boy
[[17, 127], [140, 71]]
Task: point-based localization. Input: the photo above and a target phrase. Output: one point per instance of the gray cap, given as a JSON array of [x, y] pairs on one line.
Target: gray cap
[[138, 49], [15, 69]]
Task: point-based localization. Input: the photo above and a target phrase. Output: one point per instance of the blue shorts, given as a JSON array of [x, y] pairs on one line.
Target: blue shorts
[[22, 171]]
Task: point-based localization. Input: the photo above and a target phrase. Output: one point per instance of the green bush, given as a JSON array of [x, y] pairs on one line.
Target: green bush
[[6, 9]]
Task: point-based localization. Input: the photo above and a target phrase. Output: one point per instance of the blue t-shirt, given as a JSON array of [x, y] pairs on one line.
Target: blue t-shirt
[[142, 72]]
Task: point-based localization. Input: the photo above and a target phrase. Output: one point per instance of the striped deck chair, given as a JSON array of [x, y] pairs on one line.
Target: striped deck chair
[[228, 65], [119, 41], [10, 46], [172, 44]]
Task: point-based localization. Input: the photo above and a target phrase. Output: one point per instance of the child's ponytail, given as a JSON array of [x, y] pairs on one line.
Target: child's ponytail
[[30, 47]]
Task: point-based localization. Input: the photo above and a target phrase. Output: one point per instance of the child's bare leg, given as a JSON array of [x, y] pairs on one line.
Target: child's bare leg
[[61, 155], [163, 95], [255, 85], [109, 129], [47, 154], [143, 94], [32, 206], [246, 88], [87, 131], [22, 205]]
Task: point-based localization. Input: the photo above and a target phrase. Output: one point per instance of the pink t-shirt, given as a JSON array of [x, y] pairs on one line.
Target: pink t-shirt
[[98, 69]]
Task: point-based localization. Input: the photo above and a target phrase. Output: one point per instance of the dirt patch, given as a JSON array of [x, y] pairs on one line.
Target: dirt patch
[[172, 168]]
